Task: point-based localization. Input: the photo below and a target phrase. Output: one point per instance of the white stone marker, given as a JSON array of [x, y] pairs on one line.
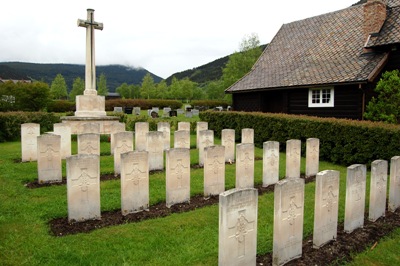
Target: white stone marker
[[49, 158], [200, 126], [270, 163], [228, 141], [141, 130], [177, 176], [64, 131], [394, 187], [238, 211], [326, 207], [312, 157], [288, 220], [134, 182], [123, 143], [214, 170], [136, 110], [29, 134], [378, 189], [182, 139], [165, 128], [115, 128], [247, 135], [91, 128], [293, 158], [156, 150], [355, 197], [83, 187], [245, 165], [183, 126], [206, 139], [89, 143]]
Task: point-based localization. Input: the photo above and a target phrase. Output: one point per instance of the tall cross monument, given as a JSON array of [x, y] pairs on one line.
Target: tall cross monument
[[90, 69]]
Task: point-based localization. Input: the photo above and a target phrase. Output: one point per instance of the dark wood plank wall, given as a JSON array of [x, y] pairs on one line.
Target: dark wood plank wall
[[249, 102]]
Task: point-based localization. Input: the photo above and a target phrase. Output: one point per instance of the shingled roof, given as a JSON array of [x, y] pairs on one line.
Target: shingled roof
[[322, 50]]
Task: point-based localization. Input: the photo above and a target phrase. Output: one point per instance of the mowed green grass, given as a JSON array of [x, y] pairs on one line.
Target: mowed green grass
[[180, 239]]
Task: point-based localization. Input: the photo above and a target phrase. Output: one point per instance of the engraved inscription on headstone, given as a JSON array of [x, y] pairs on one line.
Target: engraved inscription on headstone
[[49, 158], [200, 126], [115, 128], [394, 187], [228, 140], [245, 165], [355, 197], [156, 150], [378, 189], [214, 170], [123, 143], [64, 131], [141, 130], [206, 139], [288, 220], [89, 143], [293, 157], [165, 128], [29, 134], [270, 163], [83, 187], [177, 176], [326, 207], [312, 157], [134, 182], [247, 135], [238, 227], [182, 139]]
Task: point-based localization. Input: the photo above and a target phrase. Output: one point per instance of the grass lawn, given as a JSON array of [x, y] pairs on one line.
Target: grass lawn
[[189, 238]]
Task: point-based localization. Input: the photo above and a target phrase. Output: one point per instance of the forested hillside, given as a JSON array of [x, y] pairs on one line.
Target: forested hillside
[[115, 74]]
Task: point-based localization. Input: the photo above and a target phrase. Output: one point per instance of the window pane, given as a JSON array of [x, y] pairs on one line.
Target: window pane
[[316, 96], [326, 96]]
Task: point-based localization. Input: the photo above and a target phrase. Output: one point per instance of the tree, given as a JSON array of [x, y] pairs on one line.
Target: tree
[[102, 85], [148, 88], [241, 62], [125, 91], [161, 89], [187, 87], [78, 87], [215, 90], [386, 107], [58, 89]]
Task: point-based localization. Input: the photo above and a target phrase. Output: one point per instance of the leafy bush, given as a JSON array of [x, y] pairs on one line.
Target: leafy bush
[[142, 103], [10, 123], [341, 141], [61, 106]]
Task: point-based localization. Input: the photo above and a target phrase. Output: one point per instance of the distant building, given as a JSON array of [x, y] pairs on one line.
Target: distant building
[[15, 80], [113, 95]]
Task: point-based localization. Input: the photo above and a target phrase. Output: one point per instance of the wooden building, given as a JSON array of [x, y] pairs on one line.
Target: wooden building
[[326, 65]]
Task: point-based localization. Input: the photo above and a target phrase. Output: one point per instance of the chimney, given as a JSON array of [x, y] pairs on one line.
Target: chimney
[[374, 17]]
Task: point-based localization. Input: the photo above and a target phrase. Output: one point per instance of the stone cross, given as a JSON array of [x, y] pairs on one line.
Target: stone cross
[[90, 69]]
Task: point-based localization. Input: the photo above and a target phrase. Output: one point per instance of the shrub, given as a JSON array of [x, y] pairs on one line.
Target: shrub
[[341, 141], [61, 106]]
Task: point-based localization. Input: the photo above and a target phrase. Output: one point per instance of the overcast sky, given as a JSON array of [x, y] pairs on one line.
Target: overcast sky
[[162, 36]]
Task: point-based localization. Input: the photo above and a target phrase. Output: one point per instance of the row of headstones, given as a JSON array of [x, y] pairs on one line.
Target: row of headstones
[[238, 212], [166, 111]]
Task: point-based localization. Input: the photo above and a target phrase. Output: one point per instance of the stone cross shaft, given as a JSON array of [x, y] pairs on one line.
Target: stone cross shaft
[[90, 68]]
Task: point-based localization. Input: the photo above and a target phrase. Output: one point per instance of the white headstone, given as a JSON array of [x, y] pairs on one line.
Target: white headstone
[[195, 112], [228, 141], [136, 110], [29, 134], [89, 143], [288, 220], [200, 126], [206, 139], [141, 130], [245, 165], [115, 128], [189, 114], [64, 130], [83, 187], [134, 182], [177, 176], [378, 189], [355, 197], [123, 143], [326, 207], [312, 157], [165, 128], [214, 170], [238, 211], [247, 135], [182, 139], [180, 111], [156, 150], [184, 126], [293, 158], [118, 109], [270, 163], [394, 187], [49, 158]]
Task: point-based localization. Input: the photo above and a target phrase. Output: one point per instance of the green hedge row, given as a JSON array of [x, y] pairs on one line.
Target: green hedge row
[[142, 103], [10, 123], [209, 103], [342, 141], [61, 106], [131, 120]]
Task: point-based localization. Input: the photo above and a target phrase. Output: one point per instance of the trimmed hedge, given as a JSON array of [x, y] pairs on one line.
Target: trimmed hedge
[[209, 103], [142, 103], [61, 106], [342, 141], [10, 123]]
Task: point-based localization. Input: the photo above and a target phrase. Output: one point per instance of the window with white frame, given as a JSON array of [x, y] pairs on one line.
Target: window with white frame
[[322, 97]]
